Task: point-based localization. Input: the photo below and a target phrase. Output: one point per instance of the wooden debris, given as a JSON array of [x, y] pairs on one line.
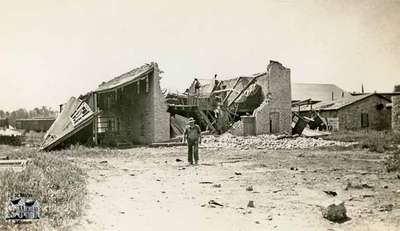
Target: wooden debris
[[3, 157], [214, 203], [13, 162], [251, 204]]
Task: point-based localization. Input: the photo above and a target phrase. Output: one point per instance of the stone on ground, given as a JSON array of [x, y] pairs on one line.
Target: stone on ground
[[335, 211]]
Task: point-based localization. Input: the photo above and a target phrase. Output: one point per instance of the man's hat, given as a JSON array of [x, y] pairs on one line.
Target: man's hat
[[190, 120]]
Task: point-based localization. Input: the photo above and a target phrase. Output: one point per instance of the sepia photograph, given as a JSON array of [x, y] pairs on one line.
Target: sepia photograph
[[205, 115]]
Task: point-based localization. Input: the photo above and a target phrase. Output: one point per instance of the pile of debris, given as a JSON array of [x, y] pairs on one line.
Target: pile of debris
[[267, 142]]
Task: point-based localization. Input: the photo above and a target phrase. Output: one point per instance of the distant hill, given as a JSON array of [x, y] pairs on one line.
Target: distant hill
[[316, 91]]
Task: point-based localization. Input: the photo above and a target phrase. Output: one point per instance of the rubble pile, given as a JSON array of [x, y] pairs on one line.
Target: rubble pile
[[274, 142]]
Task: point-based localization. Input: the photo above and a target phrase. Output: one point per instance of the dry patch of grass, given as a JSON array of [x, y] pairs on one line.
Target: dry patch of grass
[[392, 163], [375, 141], [57, 183]]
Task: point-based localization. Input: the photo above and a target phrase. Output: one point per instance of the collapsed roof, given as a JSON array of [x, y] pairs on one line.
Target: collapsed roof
[[127, 78], [75, 116]]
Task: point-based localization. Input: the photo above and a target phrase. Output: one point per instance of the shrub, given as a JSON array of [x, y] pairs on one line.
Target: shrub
[[11, 140]]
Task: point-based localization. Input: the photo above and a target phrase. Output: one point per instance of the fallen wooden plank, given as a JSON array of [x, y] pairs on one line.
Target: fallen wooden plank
[[205, 118], [12, 162], [173, 144]]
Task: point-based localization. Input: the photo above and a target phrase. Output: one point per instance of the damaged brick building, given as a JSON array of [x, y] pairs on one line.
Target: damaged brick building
[[265, 97], [368, 111], [133, 108], [129, 109]]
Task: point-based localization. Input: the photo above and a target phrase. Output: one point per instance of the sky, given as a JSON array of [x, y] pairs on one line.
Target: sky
[[52, 50]]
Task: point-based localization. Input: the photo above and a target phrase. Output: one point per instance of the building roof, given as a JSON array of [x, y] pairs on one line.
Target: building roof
[[387, 95], [341, 102], [126, 78], [75, 116], [316, 91]]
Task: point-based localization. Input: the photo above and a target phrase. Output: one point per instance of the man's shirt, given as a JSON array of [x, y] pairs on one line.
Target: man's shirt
[[192, 133]]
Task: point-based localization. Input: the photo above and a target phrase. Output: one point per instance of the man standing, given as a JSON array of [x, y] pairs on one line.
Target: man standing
[[192, 135]]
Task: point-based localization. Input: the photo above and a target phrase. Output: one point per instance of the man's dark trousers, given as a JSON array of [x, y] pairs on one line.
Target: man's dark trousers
[[193, 150]]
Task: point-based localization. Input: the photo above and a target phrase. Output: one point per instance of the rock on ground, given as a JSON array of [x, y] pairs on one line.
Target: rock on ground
[[335, 212]]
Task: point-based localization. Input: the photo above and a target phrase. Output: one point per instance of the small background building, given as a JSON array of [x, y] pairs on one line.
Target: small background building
[[4, 123], [34, 124], [368, 111]]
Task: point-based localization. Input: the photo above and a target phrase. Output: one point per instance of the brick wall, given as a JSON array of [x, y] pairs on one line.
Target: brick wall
[[136, 118], [350, 116], [129, 112], [139, 111], [396, 113], [277, 82], [161, 118]]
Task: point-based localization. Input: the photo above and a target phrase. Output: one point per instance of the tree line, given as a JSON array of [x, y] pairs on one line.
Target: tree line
[[22, 113]]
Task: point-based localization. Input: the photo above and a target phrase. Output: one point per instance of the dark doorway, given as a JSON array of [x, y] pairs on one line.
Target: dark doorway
[[273, 122]]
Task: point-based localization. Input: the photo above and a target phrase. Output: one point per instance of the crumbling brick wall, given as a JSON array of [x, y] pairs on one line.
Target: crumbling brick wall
[[396, 113], [160, 116], [276, 82]]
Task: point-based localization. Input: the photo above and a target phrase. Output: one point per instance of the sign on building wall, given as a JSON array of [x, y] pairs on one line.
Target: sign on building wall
[[80, 114], [75, 116], [333, 123]]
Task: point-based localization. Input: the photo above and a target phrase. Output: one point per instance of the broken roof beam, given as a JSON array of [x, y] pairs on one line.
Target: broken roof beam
[[229, 94], [225, 90], [245, 88], [206, 120], [302, 103]]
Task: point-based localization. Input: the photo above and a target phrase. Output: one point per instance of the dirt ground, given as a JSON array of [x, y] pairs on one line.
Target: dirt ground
[[150, 189]]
